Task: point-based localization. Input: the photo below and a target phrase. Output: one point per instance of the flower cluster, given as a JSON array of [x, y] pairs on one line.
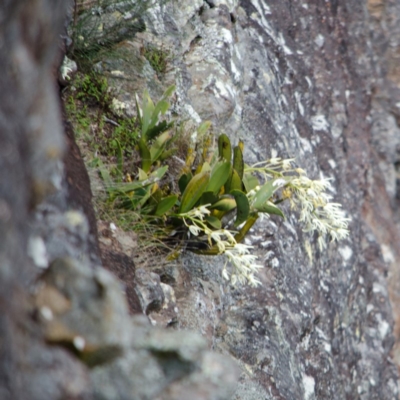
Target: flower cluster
[[308, 196], [316, 211], [237, 254]]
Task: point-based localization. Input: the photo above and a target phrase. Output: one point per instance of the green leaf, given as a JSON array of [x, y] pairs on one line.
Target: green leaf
[[184, 180], [168, 92], [145, 197], [158, 146], [226, 204], [155, 131], [147, 111], [271, 209], [265, 193], [243, 207], [104, 174], [156, 197], [247, 226], [142, 175], [238, 163], [203, 128], [234, 182], [205, 167], [224, 147], [213, 221], [167, 154], [250, 182], [219, 176], [132, 186], [194, 189], [139, 111], [208, 198], [166, 204], [160, 108], [159, 172], [145, 155], [151, 127]]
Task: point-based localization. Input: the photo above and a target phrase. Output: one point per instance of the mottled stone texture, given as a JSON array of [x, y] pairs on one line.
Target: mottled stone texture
[[65, 327], [308, 80]]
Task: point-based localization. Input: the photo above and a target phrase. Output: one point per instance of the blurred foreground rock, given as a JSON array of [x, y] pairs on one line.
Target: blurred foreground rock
[[65, 328]]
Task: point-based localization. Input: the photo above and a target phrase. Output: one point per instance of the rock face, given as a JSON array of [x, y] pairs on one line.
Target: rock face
[[300, 79], [305, 81]]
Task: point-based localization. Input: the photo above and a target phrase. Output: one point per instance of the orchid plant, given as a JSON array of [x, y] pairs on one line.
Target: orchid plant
[[220, 197]]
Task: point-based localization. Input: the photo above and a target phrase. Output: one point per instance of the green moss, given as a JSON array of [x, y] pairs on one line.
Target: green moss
[[88, 103], [158, 59]]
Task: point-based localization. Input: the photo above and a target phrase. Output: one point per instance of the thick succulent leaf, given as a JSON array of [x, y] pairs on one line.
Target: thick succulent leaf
[[213, 222], [219, 176], [205, 167], [250, 182], [225, 205], [166, 204], [271, 209], [242, 207], [194, 189], [184, 180], [208, 198], [247, 226], [265, 192], [224, 147], [238, 163], [234, 182], [142, 175], [145, 155]]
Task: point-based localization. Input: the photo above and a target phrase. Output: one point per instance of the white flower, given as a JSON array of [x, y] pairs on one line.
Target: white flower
[[204, 210], [199, 212], [287, 164], [279, 182], [228, 234], [225, 274], [194, 230], [253, 281], [243, 265]]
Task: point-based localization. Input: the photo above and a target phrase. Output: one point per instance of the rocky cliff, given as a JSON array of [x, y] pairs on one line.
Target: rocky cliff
[[317, 81]]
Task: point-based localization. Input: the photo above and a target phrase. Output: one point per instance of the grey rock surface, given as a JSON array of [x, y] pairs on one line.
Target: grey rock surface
[[311, 81]]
